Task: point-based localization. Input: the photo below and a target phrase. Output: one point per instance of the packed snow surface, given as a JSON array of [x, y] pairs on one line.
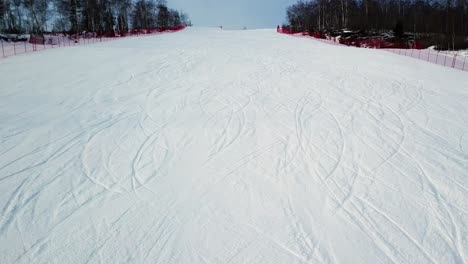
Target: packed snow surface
[[210, 146]]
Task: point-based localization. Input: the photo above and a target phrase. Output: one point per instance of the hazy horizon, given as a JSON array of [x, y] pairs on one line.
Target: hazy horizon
[[234, 15]]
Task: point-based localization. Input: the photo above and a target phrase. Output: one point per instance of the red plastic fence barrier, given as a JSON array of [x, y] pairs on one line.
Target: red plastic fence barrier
[[367, 42], [447, 59], [455, 60], [284, 30], [37, 43]]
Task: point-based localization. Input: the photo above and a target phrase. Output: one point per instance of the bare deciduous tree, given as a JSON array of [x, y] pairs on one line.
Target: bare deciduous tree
[[443, 18]]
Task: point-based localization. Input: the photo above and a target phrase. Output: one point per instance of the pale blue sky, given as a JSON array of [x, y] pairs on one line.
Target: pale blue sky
[[234, 14]]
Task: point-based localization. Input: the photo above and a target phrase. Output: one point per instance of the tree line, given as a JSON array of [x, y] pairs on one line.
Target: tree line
[[75, 16], [445, 20]]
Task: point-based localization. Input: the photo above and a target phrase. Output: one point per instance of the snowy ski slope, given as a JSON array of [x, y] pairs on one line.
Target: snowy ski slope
[[210, 146]]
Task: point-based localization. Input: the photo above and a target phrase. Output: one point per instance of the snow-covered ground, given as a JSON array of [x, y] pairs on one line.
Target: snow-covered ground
[[210, 146]]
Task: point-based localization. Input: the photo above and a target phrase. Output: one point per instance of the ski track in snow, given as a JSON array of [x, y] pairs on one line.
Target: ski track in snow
[[210, 146]]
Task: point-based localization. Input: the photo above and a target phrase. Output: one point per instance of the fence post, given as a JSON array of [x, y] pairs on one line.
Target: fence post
[[14, 48], [437, 57], [454, 60], [3, 49], [464, 62], [428, 53], [445, 61]]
